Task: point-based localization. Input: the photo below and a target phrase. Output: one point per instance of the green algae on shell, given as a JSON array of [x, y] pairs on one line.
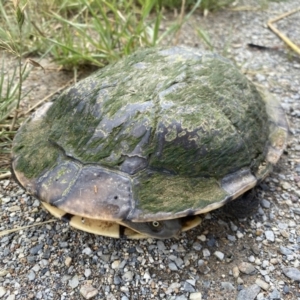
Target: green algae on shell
[[161, 134]]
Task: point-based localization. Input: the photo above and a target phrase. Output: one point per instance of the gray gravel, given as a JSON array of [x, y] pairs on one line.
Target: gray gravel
[[255, 258]]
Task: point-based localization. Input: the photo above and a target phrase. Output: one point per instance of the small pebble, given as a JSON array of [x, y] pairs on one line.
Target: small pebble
[[286, 289], [87, 273], [202, 238], [36, 203], [265, 264], [262, 284], [115, 264], [172, 266], [188, 287], [270, 235], [3, 272], [88, 292], [160, 245], [147, 276], [35, 249], [248, 293], [191, 281], [265, 203], [285, 251], [284, 233], [2, 291], [195, 296], [128, 276], [197, 246], [255, 249], [257, 261], [260, 296], [246, 268], [13, 208], [87, 251], [233, 227], [31, 275], [275, 295], [74, 282], [174, 287], [219, 255], [231, 238], [227, 286], [292, 224], [235, 272], [68, 261], [206, 252], [251, 259], [239, 235], [178, 261], [292, 273], [63, 244], [274, 261], [285, 185]]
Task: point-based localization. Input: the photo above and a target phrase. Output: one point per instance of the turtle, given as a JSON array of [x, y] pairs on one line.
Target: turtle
[[146, 145]]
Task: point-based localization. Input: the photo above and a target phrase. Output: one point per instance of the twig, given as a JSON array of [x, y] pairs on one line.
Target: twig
[[244, 8], [5, 175], [4, 232], [280, 34], [284, 15]]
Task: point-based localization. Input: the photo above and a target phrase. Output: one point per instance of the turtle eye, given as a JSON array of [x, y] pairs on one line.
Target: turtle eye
[[156, 224]]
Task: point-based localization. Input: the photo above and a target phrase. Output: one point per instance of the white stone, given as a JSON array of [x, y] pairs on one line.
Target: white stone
[[262, 284], [206, 252], [87, 251], [73, 283], [2, 291], [239, 235], [88, 292], [68, 261], [195, 296], [220, 255], [87, 273], [202, 238], [115, 264], [235, 272]]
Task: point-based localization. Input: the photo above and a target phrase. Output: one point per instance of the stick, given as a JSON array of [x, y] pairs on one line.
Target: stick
[[4, 232], [280, 34]]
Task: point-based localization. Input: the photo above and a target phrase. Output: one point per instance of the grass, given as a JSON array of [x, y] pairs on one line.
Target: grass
[[11, 93], [102, 31], [80, 32]]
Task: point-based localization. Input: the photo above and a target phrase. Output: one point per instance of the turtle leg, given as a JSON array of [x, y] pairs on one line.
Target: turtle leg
[[243, 206]]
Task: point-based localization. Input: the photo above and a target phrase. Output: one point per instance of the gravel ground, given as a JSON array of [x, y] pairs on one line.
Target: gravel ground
[[256, 258]]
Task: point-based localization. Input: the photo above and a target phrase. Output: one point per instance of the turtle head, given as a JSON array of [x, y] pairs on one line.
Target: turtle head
[[157, 229]]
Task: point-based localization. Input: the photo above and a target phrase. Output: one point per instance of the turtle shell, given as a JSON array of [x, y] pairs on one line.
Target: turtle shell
[[161, 134]]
